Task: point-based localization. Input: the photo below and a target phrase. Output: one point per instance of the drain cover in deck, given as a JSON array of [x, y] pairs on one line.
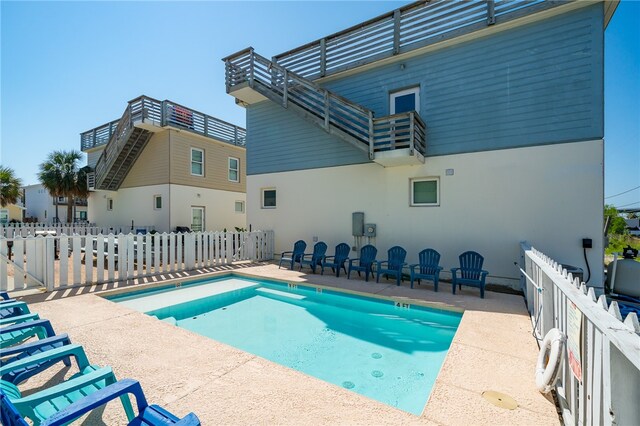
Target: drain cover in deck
[[500, 400]]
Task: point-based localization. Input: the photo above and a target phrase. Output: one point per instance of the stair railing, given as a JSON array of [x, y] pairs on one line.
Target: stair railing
[[113, 147], [327, 109]]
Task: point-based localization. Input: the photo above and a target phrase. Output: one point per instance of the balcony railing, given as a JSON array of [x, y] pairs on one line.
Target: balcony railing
[[165, 113], [411, 27], [332, 112]]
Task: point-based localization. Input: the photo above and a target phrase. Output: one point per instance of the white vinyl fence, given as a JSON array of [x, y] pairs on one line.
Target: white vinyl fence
[[12, 230], [56, 262], [608, 391]]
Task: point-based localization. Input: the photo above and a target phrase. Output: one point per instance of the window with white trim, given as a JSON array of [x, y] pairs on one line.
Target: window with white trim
[[157, 202], [404, 100], [197, 162], [234, 169], [425, 192], [239, 207], [109, 204], [268, 198]]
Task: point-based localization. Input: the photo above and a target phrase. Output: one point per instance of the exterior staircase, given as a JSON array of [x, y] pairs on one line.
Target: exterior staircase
[[124, 139], [398, 139]]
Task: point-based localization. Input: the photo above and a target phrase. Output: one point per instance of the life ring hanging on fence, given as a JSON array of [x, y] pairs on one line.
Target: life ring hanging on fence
[[550, 360]]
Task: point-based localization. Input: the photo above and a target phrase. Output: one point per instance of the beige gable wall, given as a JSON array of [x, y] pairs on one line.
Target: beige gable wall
[[152, 166], [216, 156]]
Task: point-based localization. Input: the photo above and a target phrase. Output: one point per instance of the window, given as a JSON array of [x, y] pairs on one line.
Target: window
[[425, 192], [269, 198], [83, 215], [197, 219], [197, 162], [234, 169], [239, 206], [157, 202], [405, 100], [109, 204]]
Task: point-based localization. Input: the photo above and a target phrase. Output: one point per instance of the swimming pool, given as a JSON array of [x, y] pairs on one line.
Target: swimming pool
[[391, 352]]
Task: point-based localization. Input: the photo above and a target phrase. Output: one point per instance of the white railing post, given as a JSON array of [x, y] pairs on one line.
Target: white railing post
[[49, 260], [4, 275]]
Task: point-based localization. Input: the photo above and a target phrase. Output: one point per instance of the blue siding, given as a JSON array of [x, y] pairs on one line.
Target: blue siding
[[279, 140], [537, 84]]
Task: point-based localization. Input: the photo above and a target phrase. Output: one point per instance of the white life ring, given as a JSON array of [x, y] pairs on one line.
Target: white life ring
[[550, 360]]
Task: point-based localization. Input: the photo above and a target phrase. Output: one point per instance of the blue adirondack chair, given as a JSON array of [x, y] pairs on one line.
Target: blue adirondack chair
[[20, 331], [471, 272], [13, 309], [314, 259], [365, 262], [338, 260], [394, 265], [41, 405], [147, 414], [19, 352], [293, 256], [428, 269]]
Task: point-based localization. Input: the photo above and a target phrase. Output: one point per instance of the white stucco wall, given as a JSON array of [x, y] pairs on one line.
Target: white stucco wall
[[219, 207], [137, 204], [551, 196], [129, 204]]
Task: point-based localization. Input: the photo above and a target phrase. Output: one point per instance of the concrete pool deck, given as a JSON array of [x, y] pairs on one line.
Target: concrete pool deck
[[493, 350]]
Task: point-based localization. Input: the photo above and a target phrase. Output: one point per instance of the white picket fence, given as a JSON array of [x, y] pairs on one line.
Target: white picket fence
[[609, 390], [55, 262], [26, 229]]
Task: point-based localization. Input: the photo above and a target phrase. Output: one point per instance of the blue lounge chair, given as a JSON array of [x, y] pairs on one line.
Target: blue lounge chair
[[314, 259], [20, 331], [4, 295], [19, 352], [338, 260], [471, 272], [293, 256], [147, 414], [41, 405], [13, 309], [365, 262], [428, 269], [394, 265]]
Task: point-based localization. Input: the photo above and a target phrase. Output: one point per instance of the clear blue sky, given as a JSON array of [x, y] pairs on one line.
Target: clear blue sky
[[67, 67]]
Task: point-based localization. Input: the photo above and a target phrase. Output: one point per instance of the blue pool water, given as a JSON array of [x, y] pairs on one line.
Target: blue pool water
[[370, 346]]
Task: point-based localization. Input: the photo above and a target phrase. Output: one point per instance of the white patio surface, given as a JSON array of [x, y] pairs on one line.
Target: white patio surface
[[493, 350]]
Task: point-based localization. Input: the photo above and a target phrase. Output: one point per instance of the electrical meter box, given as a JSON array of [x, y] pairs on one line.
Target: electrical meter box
[[370, 230], [357, 223]]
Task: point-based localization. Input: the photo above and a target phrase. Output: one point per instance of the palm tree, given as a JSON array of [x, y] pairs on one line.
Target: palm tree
[[9, 186], [59, 175]]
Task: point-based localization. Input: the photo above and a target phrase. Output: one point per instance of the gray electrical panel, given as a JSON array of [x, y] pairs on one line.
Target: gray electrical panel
[[357, 223], [370, 230]]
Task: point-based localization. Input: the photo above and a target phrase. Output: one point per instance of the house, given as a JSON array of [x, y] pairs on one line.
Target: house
[[633, 226], [453, 125], [12, 213], [163, 166], [40, 206]]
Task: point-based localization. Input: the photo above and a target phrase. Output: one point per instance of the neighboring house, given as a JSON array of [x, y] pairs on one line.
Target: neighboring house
[[165, 166], [41, 206], [452, 125], [633, 226], [12, 212]]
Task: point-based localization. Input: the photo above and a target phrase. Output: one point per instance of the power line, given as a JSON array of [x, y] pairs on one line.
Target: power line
[[630, 204], [629, 190]]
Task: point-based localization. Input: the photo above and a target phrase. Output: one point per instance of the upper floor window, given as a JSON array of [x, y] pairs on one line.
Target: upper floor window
[[239, 207], [404, 100], [197, 162], [234, 169]]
